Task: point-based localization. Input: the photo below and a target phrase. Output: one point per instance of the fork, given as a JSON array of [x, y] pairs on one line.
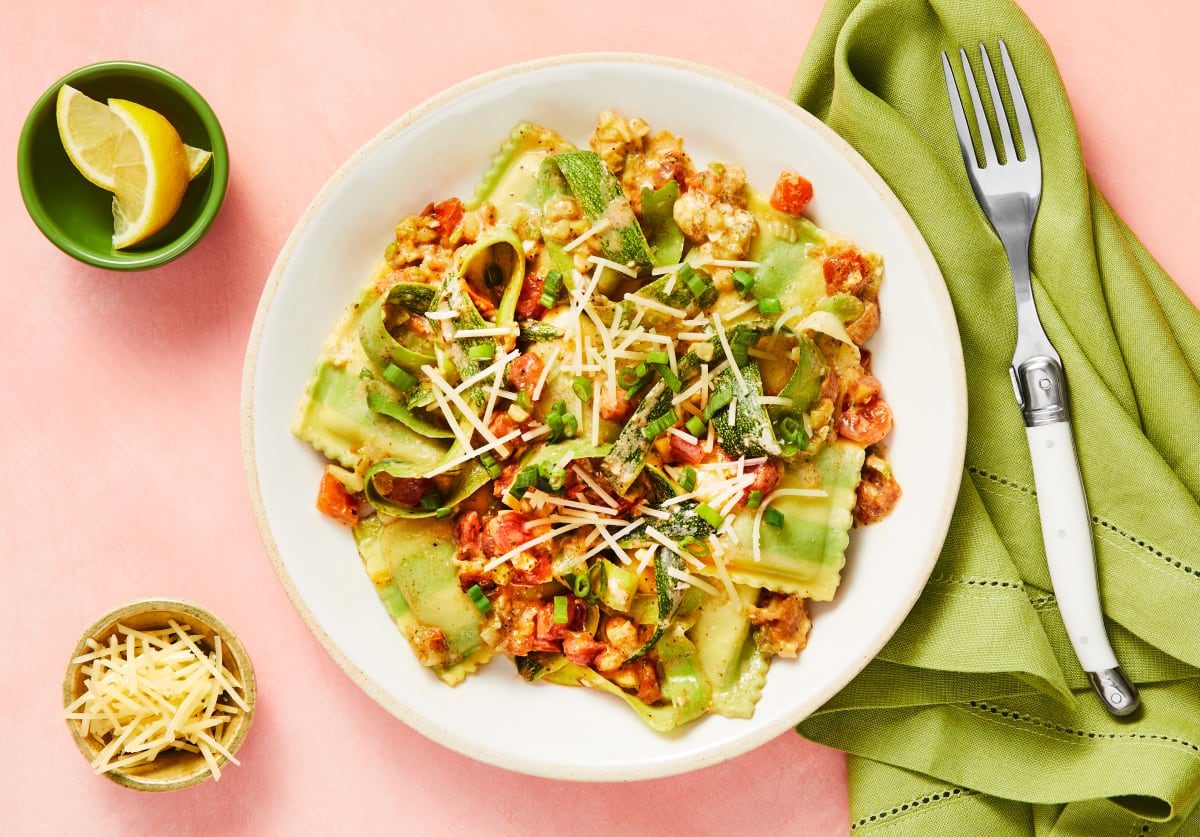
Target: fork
[[1009, 189]]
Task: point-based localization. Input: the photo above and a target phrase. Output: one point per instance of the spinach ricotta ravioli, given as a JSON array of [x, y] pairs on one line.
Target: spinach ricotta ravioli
[[609, 417]]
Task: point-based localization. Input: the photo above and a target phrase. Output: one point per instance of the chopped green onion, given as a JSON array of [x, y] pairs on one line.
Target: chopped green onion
[[659, 425], [695, 281], [523, 400], [754, 500], [710, 515], [523, 481], [443, 512], [769, 306], [482, 351], [570, 425], [583, 388], [774, 517], [717, 402], [696, 547], [431, 501], [628, 377], [554, 476], [490, 464], [402, 379], [561, 615], [479, 599], [656, 357], [696, 426], [793, 433], [493, 276], [743, 281], [581, 585], [688, 481], [550, 289], [671, 379]]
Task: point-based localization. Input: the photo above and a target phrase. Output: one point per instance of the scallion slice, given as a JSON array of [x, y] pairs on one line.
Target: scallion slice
[[754, 500], [710, 515], [659, 426], [769, 306], [774, 517], [561, 613], [550, 289], [688, 481], [743, 281], [583, 388], [719, 401], [400, 378], [490, 464], [479, 599], [696, 426]]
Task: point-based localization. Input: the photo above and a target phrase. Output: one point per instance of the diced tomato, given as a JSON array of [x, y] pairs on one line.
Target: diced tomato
[[529, 306], [792, 193], [532, 567], [449, 214], [523, 373], [404, 491], [866, 423], [334, 500], [766, 476], [681, 450], [581, 648], [846, 272], [547, 628], [468, 534], [503, 533]]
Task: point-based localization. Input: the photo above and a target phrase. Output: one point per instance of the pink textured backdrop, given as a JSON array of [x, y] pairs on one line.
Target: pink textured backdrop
[[119, 409]]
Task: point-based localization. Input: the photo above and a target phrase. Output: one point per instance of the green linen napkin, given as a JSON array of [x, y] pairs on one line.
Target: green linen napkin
[[976, 718]]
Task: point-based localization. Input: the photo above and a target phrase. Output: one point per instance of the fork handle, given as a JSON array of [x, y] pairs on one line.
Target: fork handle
[[1066, 533]]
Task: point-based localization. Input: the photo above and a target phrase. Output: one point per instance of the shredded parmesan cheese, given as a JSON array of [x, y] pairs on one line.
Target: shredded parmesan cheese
[[655, 305], [598, 227], [155, 691]]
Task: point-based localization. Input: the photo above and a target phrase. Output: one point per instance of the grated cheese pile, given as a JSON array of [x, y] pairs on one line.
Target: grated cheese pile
[[153, 691]]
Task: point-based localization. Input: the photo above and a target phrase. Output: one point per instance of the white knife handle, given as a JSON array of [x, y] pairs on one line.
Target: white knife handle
[[1067, 535]]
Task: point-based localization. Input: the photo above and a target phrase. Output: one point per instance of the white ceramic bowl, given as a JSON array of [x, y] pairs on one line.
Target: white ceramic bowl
[[439, 150]]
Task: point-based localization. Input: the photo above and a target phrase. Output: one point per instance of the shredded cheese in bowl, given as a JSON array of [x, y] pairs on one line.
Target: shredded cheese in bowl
[[159, 695]]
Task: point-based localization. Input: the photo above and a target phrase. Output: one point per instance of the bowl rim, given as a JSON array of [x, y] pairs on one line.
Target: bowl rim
[[219, 165], [229, 641]]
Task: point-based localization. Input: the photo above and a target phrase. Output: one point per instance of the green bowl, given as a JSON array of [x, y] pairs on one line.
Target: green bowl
[[75, 214]]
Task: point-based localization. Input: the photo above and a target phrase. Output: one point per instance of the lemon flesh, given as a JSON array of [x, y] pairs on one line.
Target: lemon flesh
[[197, 159], [88, 131]]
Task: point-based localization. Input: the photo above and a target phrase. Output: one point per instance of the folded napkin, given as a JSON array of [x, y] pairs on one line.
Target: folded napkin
[[976, 718]]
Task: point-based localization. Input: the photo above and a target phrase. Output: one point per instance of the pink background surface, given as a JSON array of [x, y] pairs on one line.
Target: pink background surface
[[119, 410]]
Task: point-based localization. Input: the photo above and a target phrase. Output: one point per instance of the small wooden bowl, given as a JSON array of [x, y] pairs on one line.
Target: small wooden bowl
[[172, 769]]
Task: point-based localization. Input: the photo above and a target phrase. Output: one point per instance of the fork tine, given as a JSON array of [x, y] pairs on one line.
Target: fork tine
[[985, 132], [1028, 136], [956, 108], [1010, 152]]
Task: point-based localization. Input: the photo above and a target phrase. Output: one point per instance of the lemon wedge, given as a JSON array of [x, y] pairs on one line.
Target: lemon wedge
[[133, 152], [150, 173], [88, 131], [197, 159]]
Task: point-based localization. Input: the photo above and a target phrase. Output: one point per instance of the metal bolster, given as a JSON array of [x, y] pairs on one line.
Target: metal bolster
[[1041, 390]]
